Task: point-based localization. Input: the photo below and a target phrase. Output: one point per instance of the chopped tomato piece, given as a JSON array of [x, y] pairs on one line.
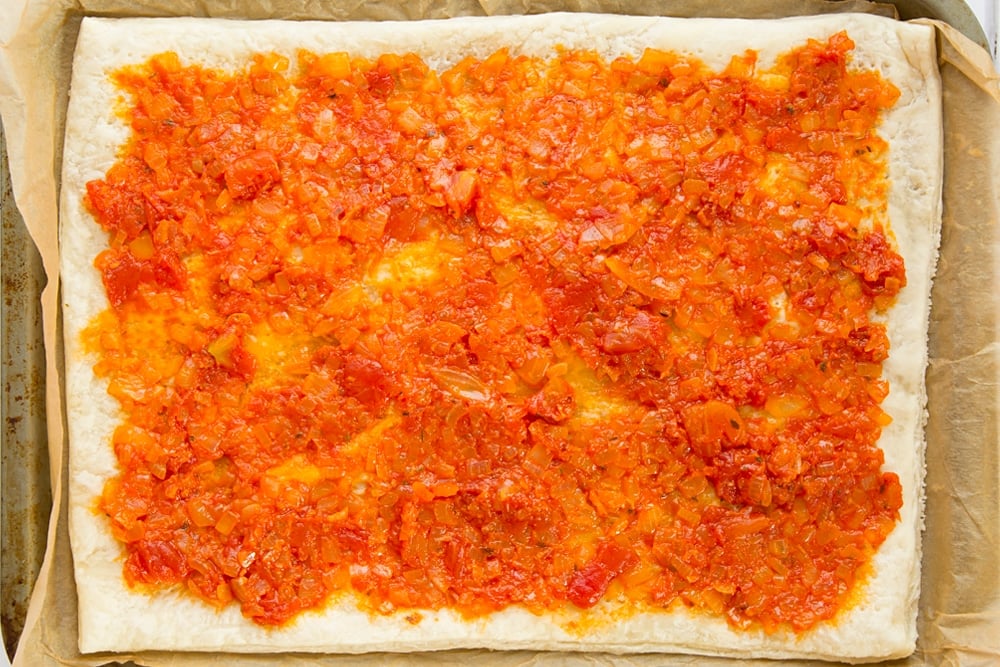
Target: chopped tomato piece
[[252, 173], [588, 585]]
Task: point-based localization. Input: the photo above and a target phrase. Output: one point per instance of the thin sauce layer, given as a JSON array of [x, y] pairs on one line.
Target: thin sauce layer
[[538, 332]]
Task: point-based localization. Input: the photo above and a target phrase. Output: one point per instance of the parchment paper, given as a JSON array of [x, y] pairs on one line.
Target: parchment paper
[[959, 621]]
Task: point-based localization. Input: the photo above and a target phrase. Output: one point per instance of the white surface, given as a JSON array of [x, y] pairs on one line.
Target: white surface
[[988, 12]]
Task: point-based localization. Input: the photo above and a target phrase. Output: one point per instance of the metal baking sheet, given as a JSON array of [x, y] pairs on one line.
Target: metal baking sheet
[[955, 12], [25, 497]]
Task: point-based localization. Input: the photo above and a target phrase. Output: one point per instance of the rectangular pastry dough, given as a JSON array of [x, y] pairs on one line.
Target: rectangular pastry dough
[[115, 618]]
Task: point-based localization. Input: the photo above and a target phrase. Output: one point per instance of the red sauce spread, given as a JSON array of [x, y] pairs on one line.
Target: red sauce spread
[[538, 332]]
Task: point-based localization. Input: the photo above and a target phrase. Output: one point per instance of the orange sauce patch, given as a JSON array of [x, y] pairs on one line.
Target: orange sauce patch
[[537, 332]]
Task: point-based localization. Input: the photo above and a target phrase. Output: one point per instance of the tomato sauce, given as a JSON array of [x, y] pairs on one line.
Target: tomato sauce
[[538, 332]]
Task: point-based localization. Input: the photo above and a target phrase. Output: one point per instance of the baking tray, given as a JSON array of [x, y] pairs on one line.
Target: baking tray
[[25, 496]]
